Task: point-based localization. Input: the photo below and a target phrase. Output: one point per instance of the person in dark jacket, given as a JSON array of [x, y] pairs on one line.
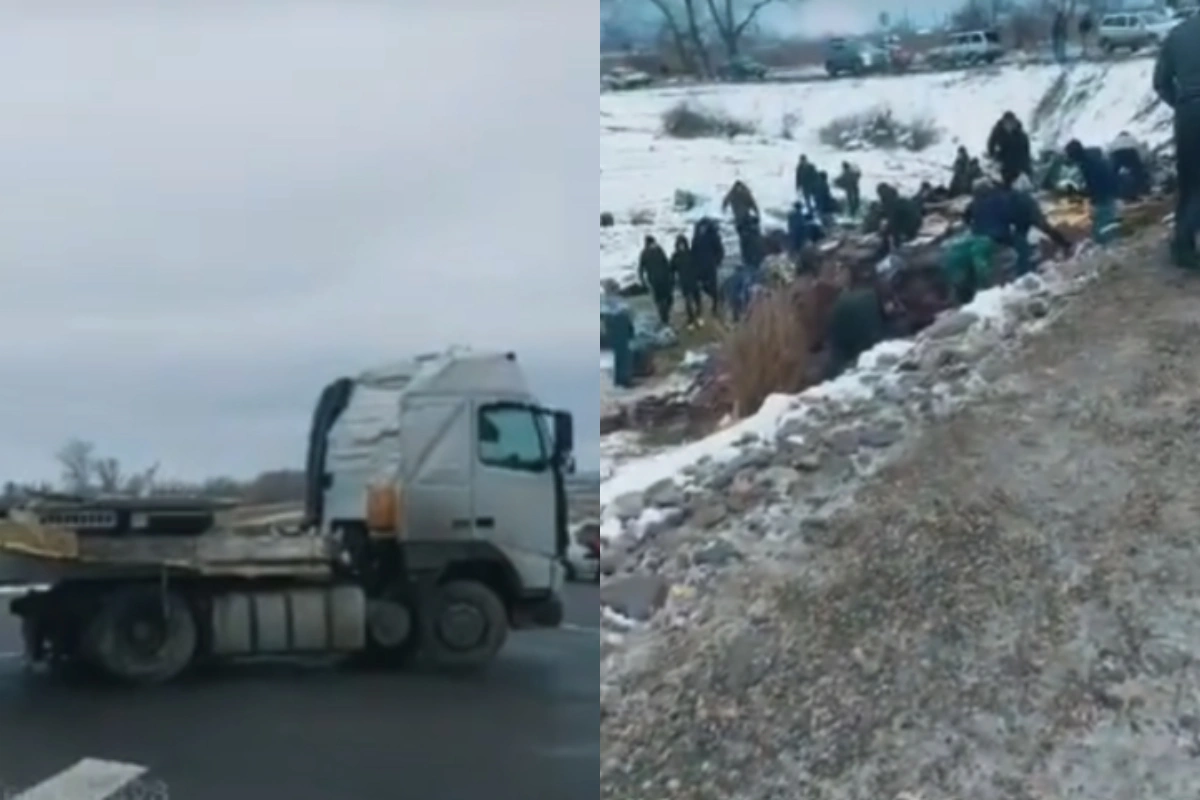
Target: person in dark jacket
[[848, 181], [1177, 83], [860, 319], [1008, 144], [826, 205], [960, 174], [684, 271], [1058, 36], [654, 271], [750, 241], [1100, 185], [1027, 215], [968, 260], [806, 183], [797, 227], [989, 213], [901, 217], [708, 253], [740, 201], [1086, 26], [1125, 153]]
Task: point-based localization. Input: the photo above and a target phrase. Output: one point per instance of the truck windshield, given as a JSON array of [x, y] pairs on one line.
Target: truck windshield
[[512, 437]]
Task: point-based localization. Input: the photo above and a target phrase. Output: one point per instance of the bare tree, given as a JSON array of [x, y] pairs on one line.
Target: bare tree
[[1027, 27], [75, 459], [83, 472], [141, 483], [697, 40], [674, 28], [108, 475], [689, 25], [731, 19], [972, 16]]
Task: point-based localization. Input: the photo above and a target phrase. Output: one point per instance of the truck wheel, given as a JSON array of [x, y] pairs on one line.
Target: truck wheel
[[142, 635], [465, 625], [393, 639]]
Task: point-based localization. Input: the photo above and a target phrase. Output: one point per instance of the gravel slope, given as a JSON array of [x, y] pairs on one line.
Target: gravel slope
[[1009, 611]]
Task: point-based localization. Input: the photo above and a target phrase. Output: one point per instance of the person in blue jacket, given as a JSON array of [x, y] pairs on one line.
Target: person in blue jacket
[[738, 290], [618, 330], [967, 262], [1101, 186], [797, 227], [1027, 214]]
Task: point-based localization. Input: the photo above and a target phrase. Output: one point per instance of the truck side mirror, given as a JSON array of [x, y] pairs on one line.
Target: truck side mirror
[[564, 432]]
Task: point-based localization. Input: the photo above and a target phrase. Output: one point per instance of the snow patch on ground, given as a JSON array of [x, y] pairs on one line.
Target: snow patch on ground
[[640, 169]]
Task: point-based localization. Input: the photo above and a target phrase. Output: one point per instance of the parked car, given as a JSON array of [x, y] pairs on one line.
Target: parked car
[[621, 78], [846, 57], [967, 49], [743, 69], [1133, 30]]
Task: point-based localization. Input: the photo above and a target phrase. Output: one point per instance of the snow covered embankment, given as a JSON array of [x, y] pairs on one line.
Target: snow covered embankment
[[640, 169], [671, 521], [1007, 611]]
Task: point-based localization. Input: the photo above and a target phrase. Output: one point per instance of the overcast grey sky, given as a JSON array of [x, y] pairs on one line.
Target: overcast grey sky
[[205, 215]]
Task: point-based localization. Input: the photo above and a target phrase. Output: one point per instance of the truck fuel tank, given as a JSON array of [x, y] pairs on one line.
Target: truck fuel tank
[[318, 619]]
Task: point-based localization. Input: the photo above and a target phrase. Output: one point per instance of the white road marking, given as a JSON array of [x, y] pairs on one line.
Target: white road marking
[[567, 626], [86, 779], [9, 591]]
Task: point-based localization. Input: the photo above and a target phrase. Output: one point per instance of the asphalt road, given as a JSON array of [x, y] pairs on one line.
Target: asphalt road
[[528, 729]]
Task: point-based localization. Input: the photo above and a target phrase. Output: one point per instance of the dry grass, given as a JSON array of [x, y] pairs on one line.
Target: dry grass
[[685, 120], [879, 129], [768, 352]]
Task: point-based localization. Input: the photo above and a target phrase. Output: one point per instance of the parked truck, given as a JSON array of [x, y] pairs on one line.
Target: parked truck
[[435, 522]]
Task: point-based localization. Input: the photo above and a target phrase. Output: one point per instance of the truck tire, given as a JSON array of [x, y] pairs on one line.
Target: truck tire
[[464, 625], [393, 636], [142, 635]]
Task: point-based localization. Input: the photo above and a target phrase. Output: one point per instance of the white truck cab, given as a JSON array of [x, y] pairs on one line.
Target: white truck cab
[[474, 461]]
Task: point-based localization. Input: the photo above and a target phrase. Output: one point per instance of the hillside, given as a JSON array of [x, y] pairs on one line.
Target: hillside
[[964, 569], [1006, 610], [640, 169]]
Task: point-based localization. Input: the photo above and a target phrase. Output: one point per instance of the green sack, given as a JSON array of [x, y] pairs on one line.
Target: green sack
[[967, 257]]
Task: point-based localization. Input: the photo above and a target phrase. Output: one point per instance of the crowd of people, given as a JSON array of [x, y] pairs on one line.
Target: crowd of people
[[1000, 214]]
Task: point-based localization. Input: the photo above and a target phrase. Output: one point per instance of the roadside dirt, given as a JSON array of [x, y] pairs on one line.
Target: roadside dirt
[[1011, 609]]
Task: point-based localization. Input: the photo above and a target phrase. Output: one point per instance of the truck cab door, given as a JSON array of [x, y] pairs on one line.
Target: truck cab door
[[436, 435], [515, 496]]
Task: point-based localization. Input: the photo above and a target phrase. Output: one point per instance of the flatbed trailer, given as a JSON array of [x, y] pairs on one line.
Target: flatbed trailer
[[32, 553], [143, 609]]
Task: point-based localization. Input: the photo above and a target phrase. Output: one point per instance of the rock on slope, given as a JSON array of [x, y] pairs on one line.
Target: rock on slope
[[1008, 611]]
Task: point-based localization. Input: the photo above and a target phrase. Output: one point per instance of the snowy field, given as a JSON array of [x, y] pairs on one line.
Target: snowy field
[[640, 169]]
